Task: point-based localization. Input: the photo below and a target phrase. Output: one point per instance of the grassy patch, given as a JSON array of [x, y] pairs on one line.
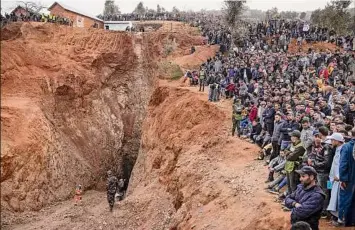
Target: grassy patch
[[171, 70]]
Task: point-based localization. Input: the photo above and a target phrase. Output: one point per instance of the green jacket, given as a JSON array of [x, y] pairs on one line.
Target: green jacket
[[294, 158], [237, 115]]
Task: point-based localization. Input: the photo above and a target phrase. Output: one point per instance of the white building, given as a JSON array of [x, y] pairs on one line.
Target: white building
[[118, 25]]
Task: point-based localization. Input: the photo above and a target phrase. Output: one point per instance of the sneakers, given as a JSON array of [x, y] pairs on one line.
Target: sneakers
[[269, 180], [273, 191], [337, 224]]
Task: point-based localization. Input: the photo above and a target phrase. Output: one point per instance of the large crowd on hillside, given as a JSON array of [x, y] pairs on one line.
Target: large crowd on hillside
[[299, 108]]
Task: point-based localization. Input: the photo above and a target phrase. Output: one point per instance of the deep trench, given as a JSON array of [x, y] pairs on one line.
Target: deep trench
[[137, 111]]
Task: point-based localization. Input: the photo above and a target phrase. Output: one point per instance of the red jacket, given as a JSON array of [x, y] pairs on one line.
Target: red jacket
[[325, 73], [253, 113]]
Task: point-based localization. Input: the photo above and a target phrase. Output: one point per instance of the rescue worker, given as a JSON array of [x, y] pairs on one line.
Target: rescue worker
[[202, 79], [237, 116], [112, 185], [77, 196], [121, 189]]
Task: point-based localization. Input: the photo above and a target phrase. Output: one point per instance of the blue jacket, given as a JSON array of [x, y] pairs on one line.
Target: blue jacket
[[347, 174], [311, 201], [269, 115]]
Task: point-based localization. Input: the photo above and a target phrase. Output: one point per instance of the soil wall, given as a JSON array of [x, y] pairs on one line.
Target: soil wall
[[72, 105]]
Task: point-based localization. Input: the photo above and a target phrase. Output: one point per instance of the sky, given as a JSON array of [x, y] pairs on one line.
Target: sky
[[95, 7]]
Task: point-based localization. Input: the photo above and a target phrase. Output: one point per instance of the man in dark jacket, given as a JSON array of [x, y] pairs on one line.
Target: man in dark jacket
[[320, 161], [350, 115], [112, 185], [288, 126], [268, 117], [275, 139], [256, 129], [307, 201]]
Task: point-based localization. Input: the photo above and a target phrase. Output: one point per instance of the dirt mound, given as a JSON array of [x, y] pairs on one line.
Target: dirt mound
[[318, 46], [194, 61]]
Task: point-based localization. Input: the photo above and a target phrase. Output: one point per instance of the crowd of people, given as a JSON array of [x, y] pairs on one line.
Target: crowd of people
[[299, 108], [34, 17], [145, 17]]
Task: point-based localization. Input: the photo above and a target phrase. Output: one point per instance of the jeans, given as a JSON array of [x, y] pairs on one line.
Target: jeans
[[277, 181], [202, 85], [215, 94], [283, 183], [236, 125], [284, 145], [210, 93]]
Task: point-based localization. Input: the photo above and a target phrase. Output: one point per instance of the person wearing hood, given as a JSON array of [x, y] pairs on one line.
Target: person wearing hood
[[307, 200]]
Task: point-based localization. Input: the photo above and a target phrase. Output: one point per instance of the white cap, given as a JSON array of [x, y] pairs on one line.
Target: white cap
[[337, 137]]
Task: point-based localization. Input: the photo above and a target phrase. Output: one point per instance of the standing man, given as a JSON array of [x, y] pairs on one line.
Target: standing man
[[269, 117], [237, 116], [347, 184], [306, 135], [201, 77], [320, 162], [294, 155], [275, 139], [112, 185], [307, 201], [337, 142]]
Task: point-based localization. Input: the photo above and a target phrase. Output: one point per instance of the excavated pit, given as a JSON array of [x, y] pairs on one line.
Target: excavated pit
[[73, 102]]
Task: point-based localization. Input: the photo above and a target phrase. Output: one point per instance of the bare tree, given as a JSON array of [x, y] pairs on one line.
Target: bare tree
[[32, 7], [111, 10], [233, 11], [303, 15], [140, 10]]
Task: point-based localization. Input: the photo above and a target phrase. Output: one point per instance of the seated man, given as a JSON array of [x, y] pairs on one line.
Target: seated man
[[276, 165], [307, 201], [278, 184], [256, 130]]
